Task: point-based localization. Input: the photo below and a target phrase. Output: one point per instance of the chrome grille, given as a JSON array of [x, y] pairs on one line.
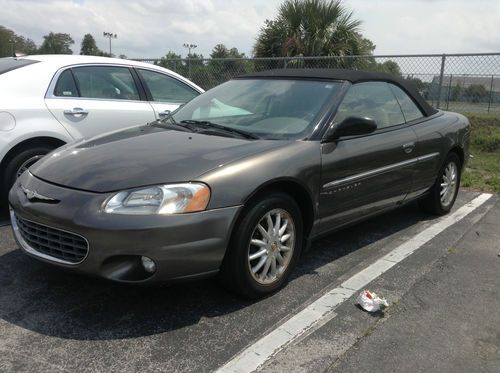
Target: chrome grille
[[61, 245]]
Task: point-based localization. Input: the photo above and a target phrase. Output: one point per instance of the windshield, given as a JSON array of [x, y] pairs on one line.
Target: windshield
[[267, 108]]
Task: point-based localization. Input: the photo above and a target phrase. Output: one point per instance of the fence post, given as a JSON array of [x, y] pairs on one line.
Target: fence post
[[441, 75], [285, 63], [449, 90], [491, 94]]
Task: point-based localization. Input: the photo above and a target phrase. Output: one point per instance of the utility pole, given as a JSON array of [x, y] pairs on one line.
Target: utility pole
[[110, 36], [189, 46]]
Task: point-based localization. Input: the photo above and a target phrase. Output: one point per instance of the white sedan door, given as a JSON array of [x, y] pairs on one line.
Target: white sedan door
[[90, 100], [166, 93]]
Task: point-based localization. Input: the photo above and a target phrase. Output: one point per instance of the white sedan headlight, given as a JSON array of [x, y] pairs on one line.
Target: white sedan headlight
[[160, 199]]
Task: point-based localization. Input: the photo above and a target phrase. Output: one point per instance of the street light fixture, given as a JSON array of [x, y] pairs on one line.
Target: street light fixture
[[189, 46], [110, 36]]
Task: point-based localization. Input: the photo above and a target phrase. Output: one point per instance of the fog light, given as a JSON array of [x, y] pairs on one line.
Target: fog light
[[148, 264]]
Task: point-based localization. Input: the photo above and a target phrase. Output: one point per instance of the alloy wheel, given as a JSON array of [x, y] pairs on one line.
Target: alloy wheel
[[449, 184], [271, 246]]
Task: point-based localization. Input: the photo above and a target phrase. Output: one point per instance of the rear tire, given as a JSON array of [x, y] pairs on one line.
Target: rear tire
[[259, 260], [18, 164], [443, 193]]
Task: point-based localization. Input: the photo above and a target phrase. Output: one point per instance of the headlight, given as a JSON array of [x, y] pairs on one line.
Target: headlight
[[161, 199]]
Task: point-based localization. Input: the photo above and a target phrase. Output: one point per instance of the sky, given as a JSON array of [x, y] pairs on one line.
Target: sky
[[150, 28]]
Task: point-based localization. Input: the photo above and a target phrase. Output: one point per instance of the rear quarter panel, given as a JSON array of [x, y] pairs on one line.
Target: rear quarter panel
[[439, 134], [22, 94]]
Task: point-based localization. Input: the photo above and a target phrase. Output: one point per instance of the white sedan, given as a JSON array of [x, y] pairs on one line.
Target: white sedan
[[48, 101]]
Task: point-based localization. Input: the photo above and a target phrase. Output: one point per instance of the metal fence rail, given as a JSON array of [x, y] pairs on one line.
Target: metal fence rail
[[458, 82]]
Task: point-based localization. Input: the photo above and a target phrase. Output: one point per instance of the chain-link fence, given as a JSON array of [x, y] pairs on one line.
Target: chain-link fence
[[457, 82]]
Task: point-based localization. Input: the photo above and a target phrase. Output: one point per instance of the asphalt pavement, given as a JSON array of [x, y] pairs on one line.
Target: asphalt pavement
[[51, 320], [449, 321]]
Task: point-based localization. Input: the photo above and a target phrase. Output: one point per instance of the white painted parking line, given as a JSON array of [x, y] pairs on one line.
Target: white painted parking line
[[258, 353]]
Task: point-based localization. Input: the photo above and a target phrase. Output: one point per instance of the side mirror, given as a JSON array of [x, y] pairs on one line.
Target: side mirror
[[352, 126]]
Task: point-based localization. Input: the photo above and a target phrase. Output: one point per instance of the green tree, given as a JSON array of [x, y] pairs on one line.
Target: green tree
[[235, 53], [174, 62], [312, 28], [389, 67], [226, 64], [421, 86], [104, 54], [456, 91], [476, 92], [196, 69], [28, 46], [57, 43], [417, 82], [196, 59], [219, 51], [89, 46], [366, 45], [10, 41]]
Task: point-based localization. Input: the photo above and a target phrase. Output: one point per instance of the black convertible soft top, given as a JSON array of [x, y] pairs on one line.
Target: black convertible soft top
[[353, 76]]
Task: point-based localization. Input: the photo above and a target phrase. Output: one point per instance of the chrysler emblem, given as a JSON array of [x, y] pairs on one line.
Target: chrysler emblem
[[33, 194]]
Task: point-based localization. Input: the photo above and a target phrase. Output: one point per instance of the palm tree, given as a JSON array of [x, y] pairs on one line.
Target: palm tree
[[311, 28]]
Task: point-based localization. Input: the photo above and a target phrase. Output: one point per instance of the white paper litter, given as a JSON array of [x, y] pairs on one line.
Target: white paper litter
[[370, 301]]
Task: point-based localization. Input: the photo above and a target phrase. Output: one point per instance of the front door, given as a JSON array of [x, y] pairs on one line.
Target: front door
[[364, 174]]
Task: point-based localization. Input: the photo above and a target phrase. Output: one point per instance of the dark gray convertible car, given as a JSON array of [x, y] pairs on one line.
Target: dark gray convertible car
[[240, 179]]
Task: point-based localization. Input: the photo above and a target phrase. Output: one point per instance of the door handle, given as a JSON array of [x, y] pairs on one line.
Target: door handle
[[76, 111], [408, 148], [163, 114]]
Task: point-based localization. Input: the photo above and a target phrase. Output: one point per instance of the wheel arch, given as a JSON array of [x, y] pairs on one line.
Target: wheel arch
[[460, 153], [29, 143], [295, 190]]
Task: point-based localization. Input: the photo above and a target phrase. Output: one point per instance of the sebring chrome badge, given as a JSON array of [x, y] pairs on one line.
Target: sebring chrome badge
[[33, 194]]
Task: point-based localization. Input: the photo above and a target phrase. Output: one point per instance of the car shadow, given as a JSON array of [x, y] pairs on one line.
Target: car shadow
[[350, 239], [53, 302]]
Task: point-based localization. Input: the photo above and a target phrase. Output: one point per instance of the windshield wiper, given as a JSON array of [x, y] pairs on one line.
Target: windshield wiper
[[208, 124], [172, 122]]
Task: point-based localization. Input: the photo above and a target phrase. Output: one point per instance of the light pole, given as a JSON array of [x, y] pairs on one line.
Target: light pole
[[110, 36], [12, 47], [189, 46]]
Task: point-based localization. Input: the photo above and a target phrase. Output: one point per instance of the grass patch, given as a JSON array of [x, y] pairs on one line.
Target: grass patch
[[483, 171]]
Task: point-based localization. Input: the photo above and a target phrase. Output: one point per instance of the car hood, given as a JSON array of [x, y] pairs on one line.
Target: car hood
[[142, 156]]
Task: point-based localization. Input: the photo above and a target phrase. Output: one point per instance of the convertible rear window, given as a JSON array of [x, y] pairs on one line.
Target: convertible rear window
[[9, 63]]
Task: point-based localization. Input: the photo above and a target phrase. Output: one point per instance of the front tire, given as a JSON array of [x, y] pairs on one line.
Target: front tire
[[444, 192], [264, 247]]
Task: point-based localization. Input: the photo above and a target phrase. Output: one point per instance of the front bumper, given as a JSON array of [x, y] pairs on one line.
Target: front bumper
[[182, 246]]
